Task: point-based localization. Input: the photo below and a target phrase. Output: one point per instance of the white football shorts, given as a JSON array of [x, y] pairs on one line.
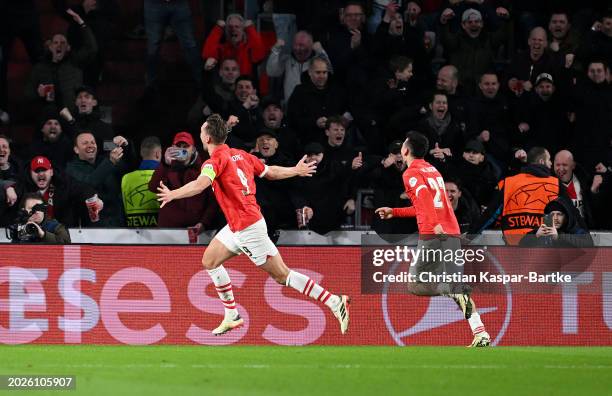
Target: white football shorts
[[252, 241]]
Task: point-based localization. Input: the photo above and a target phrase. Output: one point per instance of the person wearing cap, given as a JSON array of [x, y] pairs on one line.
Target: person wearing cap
[[87, 116], [47, 230], [273, 195], [542, 118], [477, 174], [322, 198], [180, 165], [54, 141], [525, 67], [291, 66], [103, 173], [273, 118], [64, 196], [53, 80], [472, 50], [490, 118]]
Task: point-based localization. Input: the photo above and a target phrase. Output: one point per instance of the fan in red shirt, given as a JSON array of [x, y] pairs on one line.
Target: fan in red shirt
[[438, 231], [231, 174]]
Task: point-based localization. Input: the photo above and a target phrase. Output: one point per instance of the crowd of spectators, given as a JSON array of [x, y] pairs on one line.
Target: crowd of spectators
[[486, 81]]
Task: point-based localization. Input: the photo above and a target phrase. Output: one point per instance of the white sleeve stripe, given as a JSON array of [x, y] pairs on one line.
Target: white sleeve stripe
[[262, 174], [418, 189]]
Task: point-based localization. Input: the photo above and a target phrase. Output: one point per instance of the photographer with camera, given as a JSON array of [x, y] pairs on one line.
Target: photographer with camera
[[33, 226], [180, 165]]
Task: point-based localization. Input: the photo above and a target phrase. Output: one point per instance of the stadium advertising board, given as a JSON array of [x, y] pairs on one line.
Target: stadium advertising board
[[144, 295]]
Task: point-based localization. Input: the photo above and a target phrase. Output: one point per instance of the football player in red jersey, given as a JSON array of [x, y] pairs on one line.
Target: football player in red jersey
[[231, 174], [438, 231]]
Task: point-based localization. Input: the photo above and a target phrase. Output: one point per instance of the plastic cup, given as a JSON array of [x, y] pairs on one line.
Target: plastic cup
[[93, 209], [192, 232]]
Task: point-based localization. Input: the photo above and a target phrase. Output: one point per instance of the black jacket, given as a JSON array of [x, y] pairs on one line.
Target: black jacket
[[572, 234], [592, 104], [480, 180], [92, 123], [549, 126], [59, 152], [307, 104], [493, 115], [69, 197], [325, 193]]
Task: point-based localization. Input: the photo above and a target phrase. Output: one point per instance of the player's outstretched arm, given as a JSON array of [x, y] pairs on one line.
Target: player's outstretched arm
[[302, 168], [389, 213], [385, 213], [190, 189]]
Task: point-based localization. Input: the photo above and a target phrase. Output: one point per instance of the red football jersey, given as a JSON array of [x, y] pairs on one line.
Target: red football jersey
[[232, 173], [425, 188]]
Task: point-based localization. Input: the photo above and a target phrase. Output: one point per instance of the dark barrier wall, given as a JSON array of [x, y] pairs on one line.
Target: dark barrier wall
[[160, 295]]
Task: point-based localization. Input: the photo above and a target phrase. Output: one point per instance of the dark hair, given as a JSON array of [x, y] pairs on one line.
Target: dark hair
[[149, 144], [244, 77], [599, 60], [30, 195], [3, 136], [536, 154], [79, 133], [561, 12], [488, 73], [417, 143], [607, 14], [399, 63], [455, 180], [355, 3], [436, 93], [335, 119], [216, 128]]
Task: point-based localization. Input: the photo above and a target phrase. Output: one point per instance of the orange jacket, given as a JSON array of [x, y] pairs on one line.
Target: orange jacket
[[525, 197]]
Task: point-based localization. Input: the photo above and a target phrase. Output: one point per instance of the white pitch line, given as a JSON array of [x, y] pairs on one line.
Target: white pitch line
[[325, 366]]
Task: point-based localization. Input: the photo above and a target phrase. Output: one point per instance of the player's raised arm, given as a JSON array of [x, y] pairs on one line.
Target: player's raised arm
[[386, 213], [302, 168], [190, 189]]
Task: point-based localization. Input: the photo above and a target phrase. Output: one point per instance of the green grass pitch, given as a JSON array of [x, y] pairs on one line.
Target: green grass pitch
[[312, 370]]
